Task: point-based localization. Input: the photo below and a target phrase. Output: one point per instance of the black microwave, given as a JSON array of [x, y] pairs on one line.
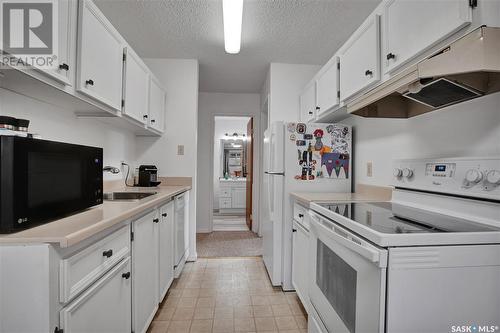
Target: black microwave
[[43, 180]]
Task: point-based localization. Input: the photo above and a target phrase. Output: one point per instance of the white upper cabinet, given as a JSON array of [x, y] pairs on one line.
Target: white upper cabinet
[[411, 27], [157, 102], [308, 103], [64, 67], [135, 87], [100, 57], [327, 87], [360, 61]]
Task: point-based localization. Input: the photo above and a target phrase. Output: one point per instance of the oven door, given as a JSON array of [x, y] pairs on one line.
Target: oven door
[[347, 280], [52, 179]]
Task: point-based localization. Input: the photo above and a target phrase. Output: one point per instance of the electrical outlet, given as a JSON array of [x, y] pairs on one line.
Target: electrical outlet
[[180, 150], [369, 169]]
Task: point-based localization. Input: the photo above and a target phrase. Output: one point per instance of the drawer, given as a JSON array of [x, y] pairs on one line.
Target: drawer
[[224, 203], [225, 192], [299, 212], [82, 269]]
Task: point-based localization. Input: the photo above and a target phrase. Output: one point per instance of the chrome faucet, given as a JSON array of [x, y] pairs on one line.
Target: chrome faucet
[[111, 169]]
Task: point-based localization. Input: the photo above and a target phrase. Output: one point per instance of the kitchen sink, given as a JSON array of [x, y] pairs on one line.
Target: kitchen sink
[[126, 196]]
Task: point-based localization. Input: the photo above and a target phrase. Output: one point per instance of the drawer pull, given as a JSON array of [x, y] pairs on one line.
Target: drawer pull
[[294, 230], [164, 214], [391, 56], [301, 216], [126, 276], [89, 82], [64, 66], [156, 220], [368, 73], [107, 253]]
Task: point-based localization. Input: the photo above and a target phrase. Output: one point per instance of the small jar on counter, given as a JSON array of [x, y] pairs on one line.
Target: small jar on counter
[[9, 123]]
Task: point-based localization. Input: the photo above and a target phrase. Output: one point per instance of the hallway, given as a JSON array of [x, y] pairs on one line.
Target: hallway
[[228, 295], [219, 244]]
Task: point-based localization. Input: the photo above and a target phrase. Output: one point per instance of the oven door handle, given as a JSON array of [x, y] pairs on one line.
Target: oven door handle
[[332, 231]]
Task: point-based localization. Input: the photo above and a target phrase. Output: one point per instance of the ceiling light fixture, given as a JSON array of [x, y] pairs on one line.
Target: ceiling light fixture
[[233, 16]]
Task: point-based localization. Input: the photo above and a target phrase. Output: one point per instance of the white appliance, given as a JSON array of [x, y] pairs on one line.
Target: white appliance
[[298, 157], [427, 261], [181, 232]]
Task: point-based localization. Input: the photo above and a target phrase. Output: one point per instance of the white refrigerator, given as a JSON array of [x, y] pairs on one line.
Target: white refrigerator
[[298, 157]]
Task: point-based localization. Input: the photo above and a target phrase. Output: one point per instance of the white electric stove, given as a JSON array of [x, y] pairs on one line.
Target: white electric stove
[[428, 261]]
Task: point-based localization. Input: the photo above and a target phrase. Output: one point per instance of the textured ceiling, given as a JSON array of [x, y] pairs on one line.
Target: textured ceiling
[[290, 31]]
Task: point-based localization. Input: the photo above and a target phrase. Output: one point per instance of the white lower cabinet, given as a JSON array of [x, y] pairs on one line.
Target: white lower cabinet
[[104, 307], [300, 271], [166, 247], [145, 270]]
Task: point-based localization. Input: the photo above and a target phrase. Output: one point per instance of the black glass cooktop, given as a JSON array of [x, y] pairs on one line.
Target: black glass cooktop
[[392, 218]]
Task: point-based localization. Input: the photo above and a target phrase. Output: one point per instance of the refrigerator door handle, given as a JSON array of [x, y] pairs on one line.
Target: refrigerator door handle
[[274, 173]]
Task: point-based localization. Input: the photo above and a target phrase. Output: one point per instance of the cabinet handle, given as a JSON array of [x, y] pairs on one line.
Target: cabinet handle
[[152, 121], [89, 82], [294, 230], [156, 220], [368, 73], [64, 66], [164, 214], [58, 330], [301, 215], [390, 56], [145, 116], [107, 253], [126, 276]]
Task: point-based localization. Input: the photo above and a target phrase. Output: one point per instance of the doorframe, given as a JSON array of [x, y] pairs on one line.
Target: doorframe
[[256, 168]]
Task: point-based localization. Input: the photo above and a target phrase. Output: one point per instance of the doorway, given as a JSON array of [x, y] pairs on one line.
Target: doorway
[[232, 165]]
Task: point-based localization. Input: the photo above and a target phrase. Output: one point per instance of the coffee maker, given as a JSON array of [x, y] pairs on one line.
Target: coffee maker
[[148, 176]]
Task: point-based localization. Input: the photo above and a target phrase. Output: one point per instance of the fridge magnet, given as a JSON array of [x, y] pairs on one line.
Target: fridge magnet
[[301, 128], [308, 136], [301, 142], [291, 127], [324, 150], [335, 161], [318, 134], [293, 137]]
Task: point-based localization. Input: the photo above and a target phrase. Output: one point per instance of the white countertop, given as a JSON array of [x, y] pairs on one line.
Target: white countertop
[[73, 229], [363, 193]]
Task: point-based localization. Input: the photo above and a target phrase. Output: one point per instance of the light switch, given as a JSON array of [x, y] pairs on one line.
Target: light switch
[[180, 150], [369, 169]]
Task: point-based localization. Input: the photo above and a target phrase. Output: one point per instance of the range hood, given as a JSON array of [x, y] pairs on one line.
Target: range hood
[[466, 69]]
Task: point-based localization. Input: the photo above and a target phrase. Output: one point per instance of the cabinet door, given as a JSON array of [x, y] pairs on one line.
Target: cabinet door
[[300, 244], [361, 60], [100, 57], [327, 88], [104, 307], [145, 270], [238, 197], [411, 27], [157, 100], [166, 249], [64, 66], [135, 87], [308, 103]]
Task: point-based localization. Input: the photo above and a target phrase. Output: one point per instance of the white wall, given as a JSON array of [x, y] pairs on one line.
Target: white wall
[[58, 124], [220, 104], [467, 129], [286, 82], [180, 79], [222, 126]]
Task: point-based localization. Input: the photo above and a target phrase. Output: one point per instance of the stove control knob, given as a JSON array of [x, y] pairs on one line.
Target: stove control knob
[[397, 172], [473, 176], [493, 177], [407, 173]]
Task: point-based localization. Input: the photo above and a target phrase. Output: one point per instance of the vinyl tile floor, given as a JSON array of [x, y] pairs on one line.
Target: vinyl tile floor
[[228, 295]]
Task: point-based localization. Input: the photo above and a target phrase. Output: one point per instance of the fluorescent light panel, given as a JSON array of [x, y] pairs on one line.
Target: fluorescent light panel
[[233, 16]]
